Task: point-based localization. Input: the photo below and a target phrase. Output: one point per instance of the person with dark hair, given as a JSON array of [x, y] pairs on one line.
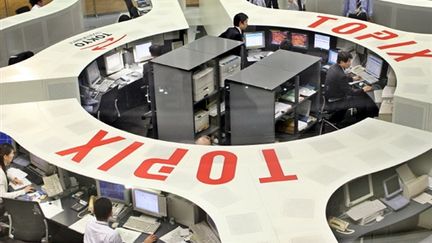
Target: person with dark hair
[[358, 9], [240, 22], [285, 45], [98, 231], [7, 153], [155, 50], [36, 4], [272, 4], [340, 96]]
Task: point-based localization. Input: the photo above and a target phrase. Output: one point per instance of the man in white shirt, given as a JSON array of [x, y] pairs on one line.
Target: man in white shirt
[[36, 4], [98, 231]]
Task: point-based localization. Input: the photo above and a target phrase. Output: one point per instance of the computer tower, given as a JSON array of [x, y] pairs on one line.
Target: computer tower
[[227, 67], [183, 211]]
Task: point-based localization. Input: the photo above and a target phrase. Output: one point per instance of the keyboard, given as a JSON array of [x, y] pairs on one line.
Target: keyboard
[[360, 71], [104, 86], [397, 202], [141, 225], [33, 175], [366, 209]]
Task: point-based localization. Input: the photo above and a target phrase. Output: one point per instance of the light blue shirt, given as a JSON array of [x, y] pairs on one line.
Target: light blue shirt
[[350, 6]]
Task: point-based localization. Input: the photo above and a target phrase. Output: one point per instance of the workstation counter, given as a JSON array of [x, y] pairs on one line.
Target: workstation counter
[[37, 30]]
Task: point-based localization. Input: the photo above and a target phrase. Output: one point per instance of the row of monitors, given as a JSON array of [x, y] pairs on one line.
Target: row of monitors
[[257, 40], [113, 62], [147, 202], [361, 189]]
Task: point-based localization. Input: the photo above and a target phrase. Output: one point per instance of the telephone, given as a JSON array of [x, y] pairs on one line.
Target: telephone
[[80, 205], [91, 203], [340, 225]]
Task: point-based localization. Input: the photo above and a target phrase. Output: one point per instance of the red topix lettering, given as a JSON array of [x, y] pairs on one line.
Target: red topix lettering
[[121, 155], [82, 151], [405, 56], [321, 20], [384, 35], [273, 165], [206, 164], [167, 167], [407, 43]]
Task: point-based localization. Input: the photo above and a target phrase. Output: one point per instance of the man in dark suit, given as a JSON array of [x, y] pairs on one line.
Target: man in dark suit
[[236, 33], [340, 96], [272, 4]]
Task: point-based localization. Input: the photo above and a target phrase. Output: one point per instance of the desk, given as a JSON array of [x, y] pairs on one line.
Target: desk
[[413, 209]]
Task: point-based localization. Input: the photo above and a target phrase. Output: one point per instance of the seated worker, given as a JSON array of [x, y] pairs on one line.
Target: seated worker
[[36, 4], [340, 96], [203, 140], [7, 153], [358, 9], [98, 231]]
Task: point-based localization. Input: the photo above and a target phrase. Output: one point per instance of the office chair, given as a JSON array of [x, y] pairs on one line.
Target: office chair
[[26, 220], [123, 18], [108, 110], [20, 57], [22, 9], [133, 11]]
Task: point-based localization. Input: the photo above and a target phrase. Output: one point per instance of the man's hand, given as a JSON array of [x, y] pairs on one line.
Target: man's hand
[[17, 181], [357, 78], [150, 239], [367, 88]]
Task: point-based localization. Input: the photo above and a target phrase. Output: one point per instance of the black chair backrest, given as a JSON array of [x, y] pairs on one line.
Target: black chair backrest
[[108, 110], [133, 11], [123, 18], [27, 219], [20, 57], [23, 9]]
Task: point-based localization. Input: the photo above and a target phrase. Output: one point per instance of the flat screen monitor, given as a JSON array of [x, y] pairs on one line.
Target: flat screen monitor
[[322, 42], [4, 138], [277, 36], [299, 40], [332, 57], [254, 40], [374, 65], [115, 192], [150, 203], [141, 52], [113, 62], [92, 74], [358, 190], [392, 186]]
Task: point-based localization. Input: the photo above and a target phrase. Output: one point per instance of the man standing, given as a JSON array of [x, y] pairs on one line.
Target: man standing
[[340, 96], [236, 33], [358, 9], [272, 4]]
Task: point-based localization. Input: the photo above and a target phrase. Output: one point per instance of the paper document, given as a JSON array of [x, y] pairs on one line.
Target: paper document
[[423, 198], [14, 172], [80, 225], [128, 236], [52, 185], [25, 182], [176, 235], [52, 208]]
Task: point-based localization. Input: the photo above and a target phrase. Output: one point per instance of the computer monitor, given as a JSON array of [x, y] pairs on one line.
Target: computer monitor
[[277, 36], [322, 42], [113, 62], [4, 138], [299, 40], [254, 40], [150, 203], [358, 190], [141, 52], [332, 57], [374, 65], [115, 192], [92, 74], [392, 186]]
